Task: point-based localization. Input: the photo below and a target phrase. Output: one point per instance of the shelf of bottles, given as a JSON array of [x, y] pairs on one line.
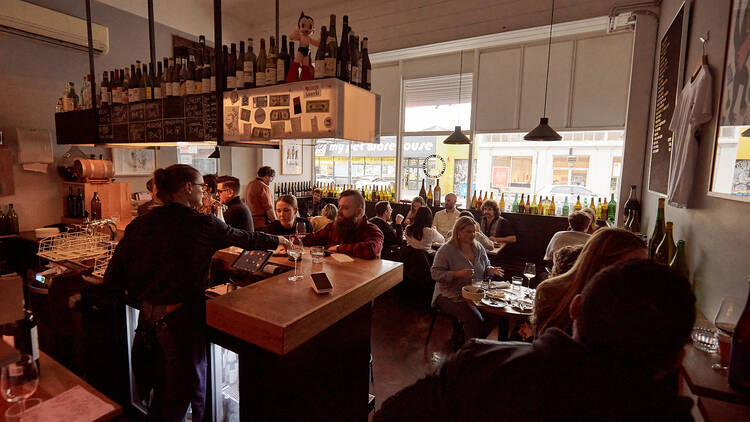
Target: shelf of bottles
[[174, 100]]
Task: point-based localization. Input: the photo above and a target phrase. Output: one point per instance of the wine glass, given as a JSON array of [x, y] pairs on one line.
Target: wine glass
[[18, 381], [529, 271], [726, 320], [295, 251], [301, 230]]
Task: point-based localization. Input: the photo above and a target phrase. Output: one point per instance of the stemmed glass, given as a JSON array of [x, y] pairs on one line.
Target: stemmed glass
[[529, 271], [18, 381], [295, 252], [301, 230], [726, 321]]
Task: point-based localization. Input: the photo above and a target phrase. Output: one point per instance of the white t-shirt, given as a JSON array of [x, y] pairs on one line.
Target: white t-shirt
[[445, 220], [429, 236], [562, 239], [693, 108]]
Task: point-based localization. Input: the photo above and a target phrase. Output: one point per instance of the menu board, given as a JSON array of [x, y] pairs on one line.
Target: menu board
[[666, 99]]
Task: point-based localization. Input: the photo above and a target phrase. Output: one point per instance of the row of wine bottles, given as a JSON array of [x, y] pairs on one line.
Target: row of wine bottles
[[293, 188], [8, 221], [191, 73], [76, 208]]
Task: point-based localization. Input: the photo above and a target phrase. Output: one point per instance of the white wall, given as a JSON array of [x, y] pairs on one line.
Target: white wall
[[272, 158], [715, 230]]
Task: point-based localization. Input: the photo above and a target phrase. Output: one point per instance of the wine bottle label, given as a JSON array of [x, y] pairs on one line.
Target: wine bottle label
[[231, 82], [330, 67], [212, 84], [149, 93], [270, 75], [175, 89], [168, 89], [239, 79], [205, 85], [260, 79], [356, 75], [141, 94], [105, 95], [280, 73], [369, 77], [183, 88], [198, 87], [34, 343], [157, 93], [189, 87], [125, 99], [249, 76], [320, 69]]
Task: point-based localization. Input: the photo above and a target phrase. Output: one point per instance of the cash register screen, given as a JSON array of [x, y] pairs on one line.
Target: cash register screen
[[251, 261]]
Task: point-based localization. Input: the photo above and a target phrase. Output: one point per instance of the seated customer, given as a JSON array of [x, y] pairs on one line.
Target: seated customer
[[351, 233], [553, 295], [624, 342], [497, 228], [153, 203], [478, 235], [392, 232], [592, 216], [446, 218], [420, 234], [327, 216], [315, 205], [456, 264], [210, 204], [575, 235], [237, 213], [286, 212], [563, 259], [417, 202]]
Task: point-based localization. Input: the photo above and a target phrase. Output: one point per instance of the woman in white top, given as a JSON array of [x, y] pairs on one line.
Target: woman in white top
[[420, 234], [416, 203]]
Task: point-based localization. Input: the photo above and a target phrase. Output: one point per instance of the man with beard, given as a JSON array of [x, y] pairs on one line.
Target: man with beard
[[494, 226], [350, 233], [445, 219]]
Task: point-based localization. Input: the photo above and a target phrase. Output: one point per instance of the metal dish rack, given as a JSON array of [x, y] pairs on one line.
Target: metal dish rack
[[74, 246]]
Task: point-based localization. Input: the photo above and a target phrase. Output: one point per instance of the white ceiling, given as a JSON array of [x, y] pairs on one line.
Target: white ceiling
[[390, 24]]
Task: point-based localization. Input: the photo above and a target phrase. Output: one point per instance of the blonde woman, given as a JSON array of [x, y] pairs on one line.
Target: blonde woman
[[604, 248], [456, 264], [327, 216]]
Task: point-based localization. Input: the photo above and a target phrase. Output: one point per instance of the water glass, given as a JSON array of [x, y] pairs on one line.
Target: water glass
[[318, 252], [301, 230], [295, 251], [517, 284]]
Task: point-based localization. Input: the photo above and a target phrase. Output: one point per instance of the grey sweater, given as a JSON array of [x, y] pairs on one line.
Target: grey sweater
[[449, 259]]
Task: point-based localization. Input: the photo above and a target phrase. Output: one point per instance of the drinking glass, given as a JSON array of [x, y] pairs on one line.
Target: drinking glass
[[318, 252], [18, 381], [726, 320], [517, 283], [301, 230], [295, 251], [529, 271]]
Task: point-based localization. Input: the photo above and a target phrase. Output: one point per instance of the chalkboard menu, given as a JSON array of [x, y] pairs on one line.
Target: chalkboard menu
[[666, 98]]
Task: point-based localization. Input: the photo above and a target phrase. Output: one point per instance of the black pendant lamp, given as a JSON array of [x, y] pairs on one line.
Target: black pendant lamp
[[457, 137], [544, 132], [216, 153]]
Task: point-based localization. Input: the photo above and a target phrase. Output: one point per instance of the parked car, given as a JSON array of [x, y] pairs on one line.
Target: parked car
[[372, 181], [560, 192]]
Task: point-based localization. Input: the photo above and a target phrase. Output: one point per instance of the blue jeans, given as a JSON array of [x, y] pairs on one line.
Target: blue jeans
[[473, 323]]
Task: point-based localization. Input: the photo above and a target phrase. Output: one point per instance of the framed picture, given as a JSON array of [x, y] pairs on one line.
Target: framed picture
[[291, 156], [133, 162], [730, 175]]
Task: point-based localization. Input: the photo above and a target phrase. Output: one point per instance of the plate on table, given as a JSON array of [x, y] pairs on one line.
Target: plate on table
[[495, 303], [499, 285], [523, 306]]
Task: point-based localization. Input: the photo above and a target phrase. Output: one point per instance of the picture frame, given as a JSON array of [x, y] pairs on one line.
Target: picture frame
[[133, 162], [730, 163], [291, 157]]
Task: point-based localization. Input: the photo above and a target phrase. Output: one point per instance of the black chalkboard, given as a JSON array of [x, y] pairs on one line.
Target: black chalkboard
[[666, 98], [210, 121]]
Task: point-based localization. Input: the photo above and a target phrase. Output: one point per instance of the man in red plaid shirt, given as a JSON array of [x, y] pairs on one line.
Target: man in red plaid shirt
[[350, 233]]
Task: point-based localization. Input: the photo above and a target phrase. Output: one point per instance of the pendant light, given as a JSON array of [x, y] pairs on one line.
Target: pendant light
[[544, 132], [457, 137], [216, 153]]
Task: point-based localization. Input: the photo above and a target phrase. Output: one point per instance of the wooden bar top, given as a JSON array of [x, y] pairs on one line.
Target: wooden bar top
[[279, 315], [56, 379]]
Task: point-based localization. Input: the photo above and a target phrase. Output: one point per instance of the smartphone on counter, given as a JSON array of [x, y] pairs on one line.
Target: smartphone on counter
[[321, 283]]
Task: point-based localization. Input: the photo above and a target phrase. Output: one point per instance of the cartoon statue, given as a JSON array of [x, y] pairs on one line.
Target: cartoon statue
[[300, 69]]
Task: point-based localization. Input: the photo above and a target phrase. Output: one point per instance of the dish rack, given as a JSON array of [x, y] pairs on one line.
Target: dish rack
[[74, 246], [101, 262]]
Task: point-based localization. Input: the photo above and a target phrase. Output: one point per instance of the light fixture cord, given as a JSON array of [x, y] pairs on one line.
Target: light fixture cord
[[549, 54], [460, 77]]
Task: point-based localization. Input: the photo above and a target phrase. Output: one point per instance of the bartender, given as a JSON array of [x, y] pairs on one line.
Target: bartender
[[259, 198], [162, 263]]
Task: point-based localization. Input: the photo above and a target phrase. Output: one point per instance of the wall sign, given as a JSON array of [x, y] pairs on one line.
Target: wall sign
[[433, 166]]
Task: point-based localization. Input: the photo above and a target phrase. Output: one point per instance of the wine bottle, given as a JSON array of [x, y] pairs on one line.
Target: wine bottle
[[565, 208], [659, 231], [578, 206], [283, 62], [320, 55], [70, 203], [239, 73], [11, 220], [249, 64], [666, 249], [230, 66], [521, 205], [473, 204], [437, 194], [356, 77], [632, 203], [598, 209], [527, 208], [198, 74], [22, 334], [739, 361], [429, 197], [611, 209], [159, 82], [679, 262], [605, 206], [332, 56], [343, 66], [104, 90], [271, 61], [143, 88], [96, 207], [534, 206], [552, 207], [260, 68], [168, 78], [514, 205], [366, 67], [423, 191], [114, 77]]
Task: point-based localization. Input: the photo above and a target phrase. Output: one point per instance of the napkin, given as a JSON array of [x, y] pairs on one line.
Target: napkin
[[339, 257]]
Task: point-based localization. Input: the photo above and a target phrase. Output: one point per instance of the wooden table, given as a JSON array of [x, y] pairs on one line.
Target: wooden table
[[56, 379], [303, 356]]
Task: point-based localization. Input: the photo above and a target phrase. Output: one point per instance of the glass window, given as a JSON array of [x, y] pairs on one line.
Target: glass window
[[570, 169], [331, 162], [437, 104], [372, 165], [197, 156]]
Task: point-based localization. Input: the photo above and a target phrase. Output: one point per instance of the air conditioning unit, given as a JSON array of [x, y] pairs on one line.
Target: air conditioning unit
[[32, 21]]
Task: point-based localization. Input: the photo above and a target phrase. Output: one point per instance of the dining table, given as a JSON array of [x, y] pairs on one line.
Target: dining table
[[505, 307]]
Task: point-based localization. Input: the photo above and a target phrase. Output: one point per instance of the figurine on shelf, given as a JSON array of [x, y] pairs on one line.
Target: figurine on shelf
[[300, 69]]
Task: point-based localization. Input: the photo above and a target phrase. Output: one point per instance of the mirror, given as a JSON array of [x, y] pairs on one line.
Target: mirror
[[730, 177]]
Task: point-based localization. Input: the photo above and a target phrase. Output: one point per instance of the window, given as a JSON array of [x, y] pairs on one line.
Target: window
[[570, 169], [433, 104], [197, 156], [372, 165], [331, 162]]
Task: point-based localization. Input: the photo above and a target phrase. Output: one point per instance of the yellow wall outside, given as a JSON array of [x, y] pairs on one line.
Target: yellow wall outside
[[450, 153], [743, 148]]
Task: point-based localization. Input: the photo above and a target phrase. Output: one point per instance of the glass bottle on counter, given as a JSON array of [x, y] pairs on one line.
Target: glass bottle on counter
[[632, 204], [739, 361], [578, 206], [521, 205], [666, 249], [679, 262], [96, 207], [611, 209], [436, 195], [659, 229], [527, 209], [239, 70], [260, 68], [11, 220], [332, 45], [534, 207], [552, 207], [249, 65], [501, 204], [70, 203], [514, 207], [283, 62], [105, 90], [429, 197], [599, 209], [366, 67], [320, 54], [271, 61], [605, 209], [565, 208], [423, 191]]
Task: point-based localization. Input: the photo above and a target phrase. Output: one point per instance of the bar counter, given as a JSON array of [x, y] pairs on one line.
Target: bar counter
[[302, 356]]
